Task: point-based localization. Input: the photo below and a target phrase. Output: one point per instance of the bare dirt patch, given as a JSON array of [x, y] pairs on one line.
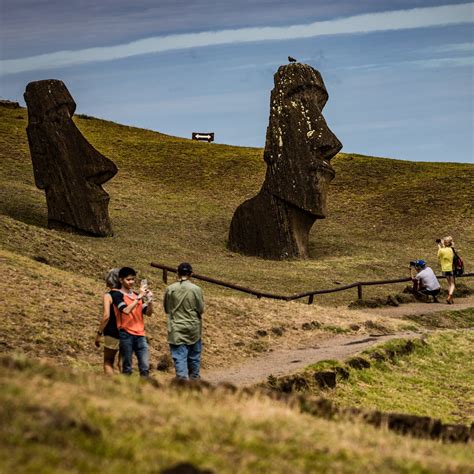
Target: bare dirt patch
[[284, 362], [321, 347]]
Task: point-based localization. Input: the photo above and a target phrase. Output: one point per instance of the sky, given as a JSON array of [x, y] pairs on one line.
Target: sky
[[399, 72]]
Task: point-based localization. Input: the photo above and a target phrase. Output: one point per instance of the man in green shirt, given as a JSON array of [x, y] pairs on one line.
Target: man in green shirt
[[184, 305]]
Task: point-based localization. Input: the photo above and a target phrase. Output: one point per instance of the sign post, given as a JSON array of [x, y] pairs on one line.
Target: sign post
[[203, 137]]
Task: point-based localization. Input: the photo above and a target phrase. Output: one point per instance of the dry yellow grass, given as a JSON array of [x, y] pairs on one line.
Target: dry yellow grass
[[72, 422], [54, 313], [173, 200]]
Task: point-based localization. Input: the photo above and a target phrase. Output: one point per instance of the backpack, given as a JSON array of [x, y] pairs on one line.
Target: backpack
[[458, 264]]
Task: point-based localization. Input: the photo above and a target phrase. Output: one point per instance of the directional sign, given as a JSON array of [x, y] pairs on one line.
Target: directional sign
[[203, 137]]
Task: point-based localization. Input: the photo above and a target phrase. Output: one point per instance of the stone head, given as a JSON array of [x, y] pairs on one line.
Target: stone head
[[48, 100], [65, 164], [299, 144]]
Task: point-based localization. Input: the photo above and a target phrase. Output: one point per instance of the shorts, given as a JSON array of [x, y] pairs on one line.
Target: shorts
[[436, 292], [111, 343], [447, 274]]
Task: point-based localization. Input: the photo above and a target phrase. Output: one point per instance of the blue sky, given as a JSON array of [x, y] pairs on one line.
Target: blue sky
[[399, 73]]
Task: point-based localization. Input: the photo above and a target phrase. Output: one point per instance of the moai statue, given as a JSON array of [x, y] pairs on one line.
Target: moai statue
[[275, 224], [65, 164]]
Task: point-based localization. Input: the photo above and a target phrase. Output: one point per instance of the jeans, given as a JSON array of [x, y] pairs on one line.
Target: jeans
[[130, 344], [187, 359]]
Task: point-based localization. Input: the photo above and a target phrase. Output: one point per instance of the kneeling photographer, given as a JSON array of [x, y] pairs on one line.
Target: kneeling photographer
[[424, 280]]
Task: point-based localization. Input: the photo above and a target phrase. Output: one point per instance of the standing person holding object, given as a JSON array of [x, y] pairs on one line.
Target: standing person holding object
[[184, 304], [129, 310], [446, 258], [425, 281], [108, 325]]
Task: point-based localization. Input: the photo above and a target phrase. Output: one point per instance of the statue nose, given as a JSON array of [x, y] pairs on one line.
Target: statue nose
[[329, 147]]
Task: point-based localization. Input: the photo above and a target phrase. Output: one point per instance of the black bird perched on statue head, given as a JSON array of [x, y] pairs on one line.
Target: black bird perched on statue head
[[291, 59]]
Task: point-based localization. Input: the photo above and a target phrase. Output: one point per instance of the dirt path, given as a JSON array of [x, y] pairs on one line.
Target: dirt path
[[421, 308], [285, 362]]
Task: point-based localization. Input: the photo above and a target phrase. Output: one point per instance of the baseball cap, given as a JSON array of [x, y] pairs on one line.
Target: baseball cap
[[185, 269]]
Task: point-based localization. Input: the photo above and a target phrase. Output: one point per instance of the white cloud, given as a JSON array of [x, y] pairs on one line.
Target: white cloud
[[392, 20], [431, 63], [444, 62], [453, 48]]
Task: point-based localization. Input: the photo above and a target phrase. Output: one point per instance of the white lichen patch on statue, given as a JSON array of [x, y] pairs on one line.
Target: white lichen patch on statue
[[280, 137]]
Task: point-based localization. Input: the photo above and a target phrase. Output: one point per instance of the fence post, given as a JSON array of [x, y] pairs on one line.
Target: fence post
[[165, 275], [359, 292], [310, 299]]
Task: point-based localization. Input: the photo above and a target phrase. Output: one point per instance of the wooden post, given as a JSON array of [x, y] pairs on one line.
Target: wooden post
[[359, 292], [310, 299], [165, 275]]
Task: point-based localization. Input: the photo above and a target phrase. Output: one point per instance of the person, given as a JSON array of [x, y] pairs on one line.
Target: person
[[425, 281], [446, 258], [184, 305], [108, 325], [129, 310]]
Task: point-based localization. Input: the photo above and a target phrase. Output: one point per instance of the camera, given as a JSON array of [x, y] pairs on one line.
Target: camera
[[438, 241], [413, 264]]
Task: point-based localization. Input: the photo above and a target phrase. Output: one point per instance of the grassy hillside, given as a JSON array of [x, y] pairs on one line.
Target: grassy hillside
[[434, 381], [53, 420], [430, 378], [52, 314], [173, 200]]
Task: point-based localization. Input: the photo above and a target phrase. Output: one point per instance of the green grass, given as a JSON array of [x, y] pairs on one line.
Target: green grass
[[445, 319], [52, 420], [434, 380]]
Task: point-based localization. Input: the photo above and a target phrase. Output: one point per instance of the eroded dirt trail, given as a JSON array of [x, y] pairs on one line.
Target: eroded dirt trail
[[283, 362], [421, 308]]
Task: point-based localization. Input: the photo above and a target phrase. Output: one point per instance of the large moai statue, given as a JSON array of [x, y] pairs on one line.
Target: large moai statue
[[275, 224], [65, 164]]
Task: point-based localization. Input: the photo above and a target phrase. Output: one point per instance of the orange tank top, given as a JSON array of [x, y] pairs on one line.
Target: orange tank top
[[132, 323]]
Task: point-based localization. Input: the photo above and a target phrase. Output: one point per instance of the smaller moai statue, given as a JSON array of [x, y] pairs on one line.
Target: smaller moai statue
[[275, 223], [65, 164]]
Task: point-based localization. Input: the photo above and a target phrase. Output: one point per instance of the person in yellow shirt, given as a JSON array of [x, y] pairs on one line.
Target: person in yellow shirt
[[446, 257]]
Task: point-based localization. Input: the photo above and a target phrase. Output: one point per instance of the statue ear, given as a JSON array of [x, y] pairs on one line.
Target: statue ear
[[268, 157], [267, 154]]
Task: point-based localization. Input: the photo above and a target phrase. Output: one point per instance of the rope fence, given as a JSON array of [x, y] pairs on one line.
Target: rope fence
[[307, 294]]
